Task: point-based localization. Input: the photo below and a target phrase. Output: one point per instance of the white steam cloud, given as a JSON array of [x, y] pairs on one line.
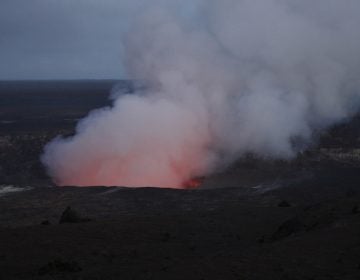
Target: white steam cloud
[[224, 78]]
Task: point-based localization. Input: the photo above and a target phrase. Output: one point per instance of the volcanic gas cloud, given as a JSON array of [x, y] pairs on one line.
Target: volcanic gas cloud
[[222, 78]]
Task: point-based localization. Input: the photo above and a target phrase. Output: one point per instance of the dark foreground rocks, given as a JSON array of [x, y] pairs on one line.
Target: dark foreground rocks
[[72, 216], [168, 234]]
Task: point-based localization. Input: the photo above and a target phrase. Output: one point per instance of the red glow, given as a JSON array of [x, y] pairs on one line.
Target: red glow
[[148, 143], [193, 183]]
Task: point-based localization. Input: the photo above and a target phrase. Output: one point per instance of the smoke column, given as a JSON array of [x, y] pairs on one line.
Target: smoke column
[[223, 78]]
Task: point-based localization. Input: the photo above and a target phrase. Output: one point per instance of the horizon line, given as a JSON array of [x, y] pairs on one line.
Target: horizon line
[[65, 79]]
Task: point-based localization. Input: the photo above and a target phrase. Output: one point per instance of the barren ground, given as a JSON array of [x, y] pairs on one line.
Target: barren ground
[[257, 219]]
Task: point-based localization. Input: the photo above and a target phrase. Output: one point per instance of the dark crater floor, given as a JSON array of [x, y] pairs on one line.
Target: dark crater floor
[[257, 219], [114, 233]]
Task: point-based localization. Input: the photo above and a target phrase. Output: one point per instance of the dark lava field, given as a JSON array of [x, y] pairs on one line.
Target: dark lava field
[[257, 219]]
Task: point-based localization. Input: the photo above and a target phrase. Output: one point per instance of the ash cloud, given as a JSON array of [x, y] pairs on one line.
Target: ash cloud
[[223, 79]]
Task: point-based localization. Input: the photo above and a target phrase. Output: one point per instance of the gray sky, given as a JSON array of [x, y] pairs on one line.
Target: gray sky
[[63, 39]]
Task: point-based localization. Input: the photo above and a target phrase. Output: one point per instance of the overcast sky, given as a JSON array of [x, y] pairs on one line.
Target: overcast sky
[[62, 39]]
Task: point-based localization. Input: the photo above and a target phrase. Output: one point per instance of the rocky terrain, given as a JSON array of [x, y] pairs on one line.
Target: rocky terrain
[[115, 233], [257, 219]]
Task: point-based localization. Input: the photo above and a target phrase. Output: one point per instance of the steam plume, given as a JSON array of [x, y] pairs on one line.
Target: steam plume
[[223, 79]]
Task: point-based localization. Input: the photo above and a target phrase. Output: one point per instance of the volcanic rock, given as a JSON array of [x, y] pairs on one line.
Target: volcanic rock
[[72, 216], [287, 228], [284, 203], [59, 266]]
